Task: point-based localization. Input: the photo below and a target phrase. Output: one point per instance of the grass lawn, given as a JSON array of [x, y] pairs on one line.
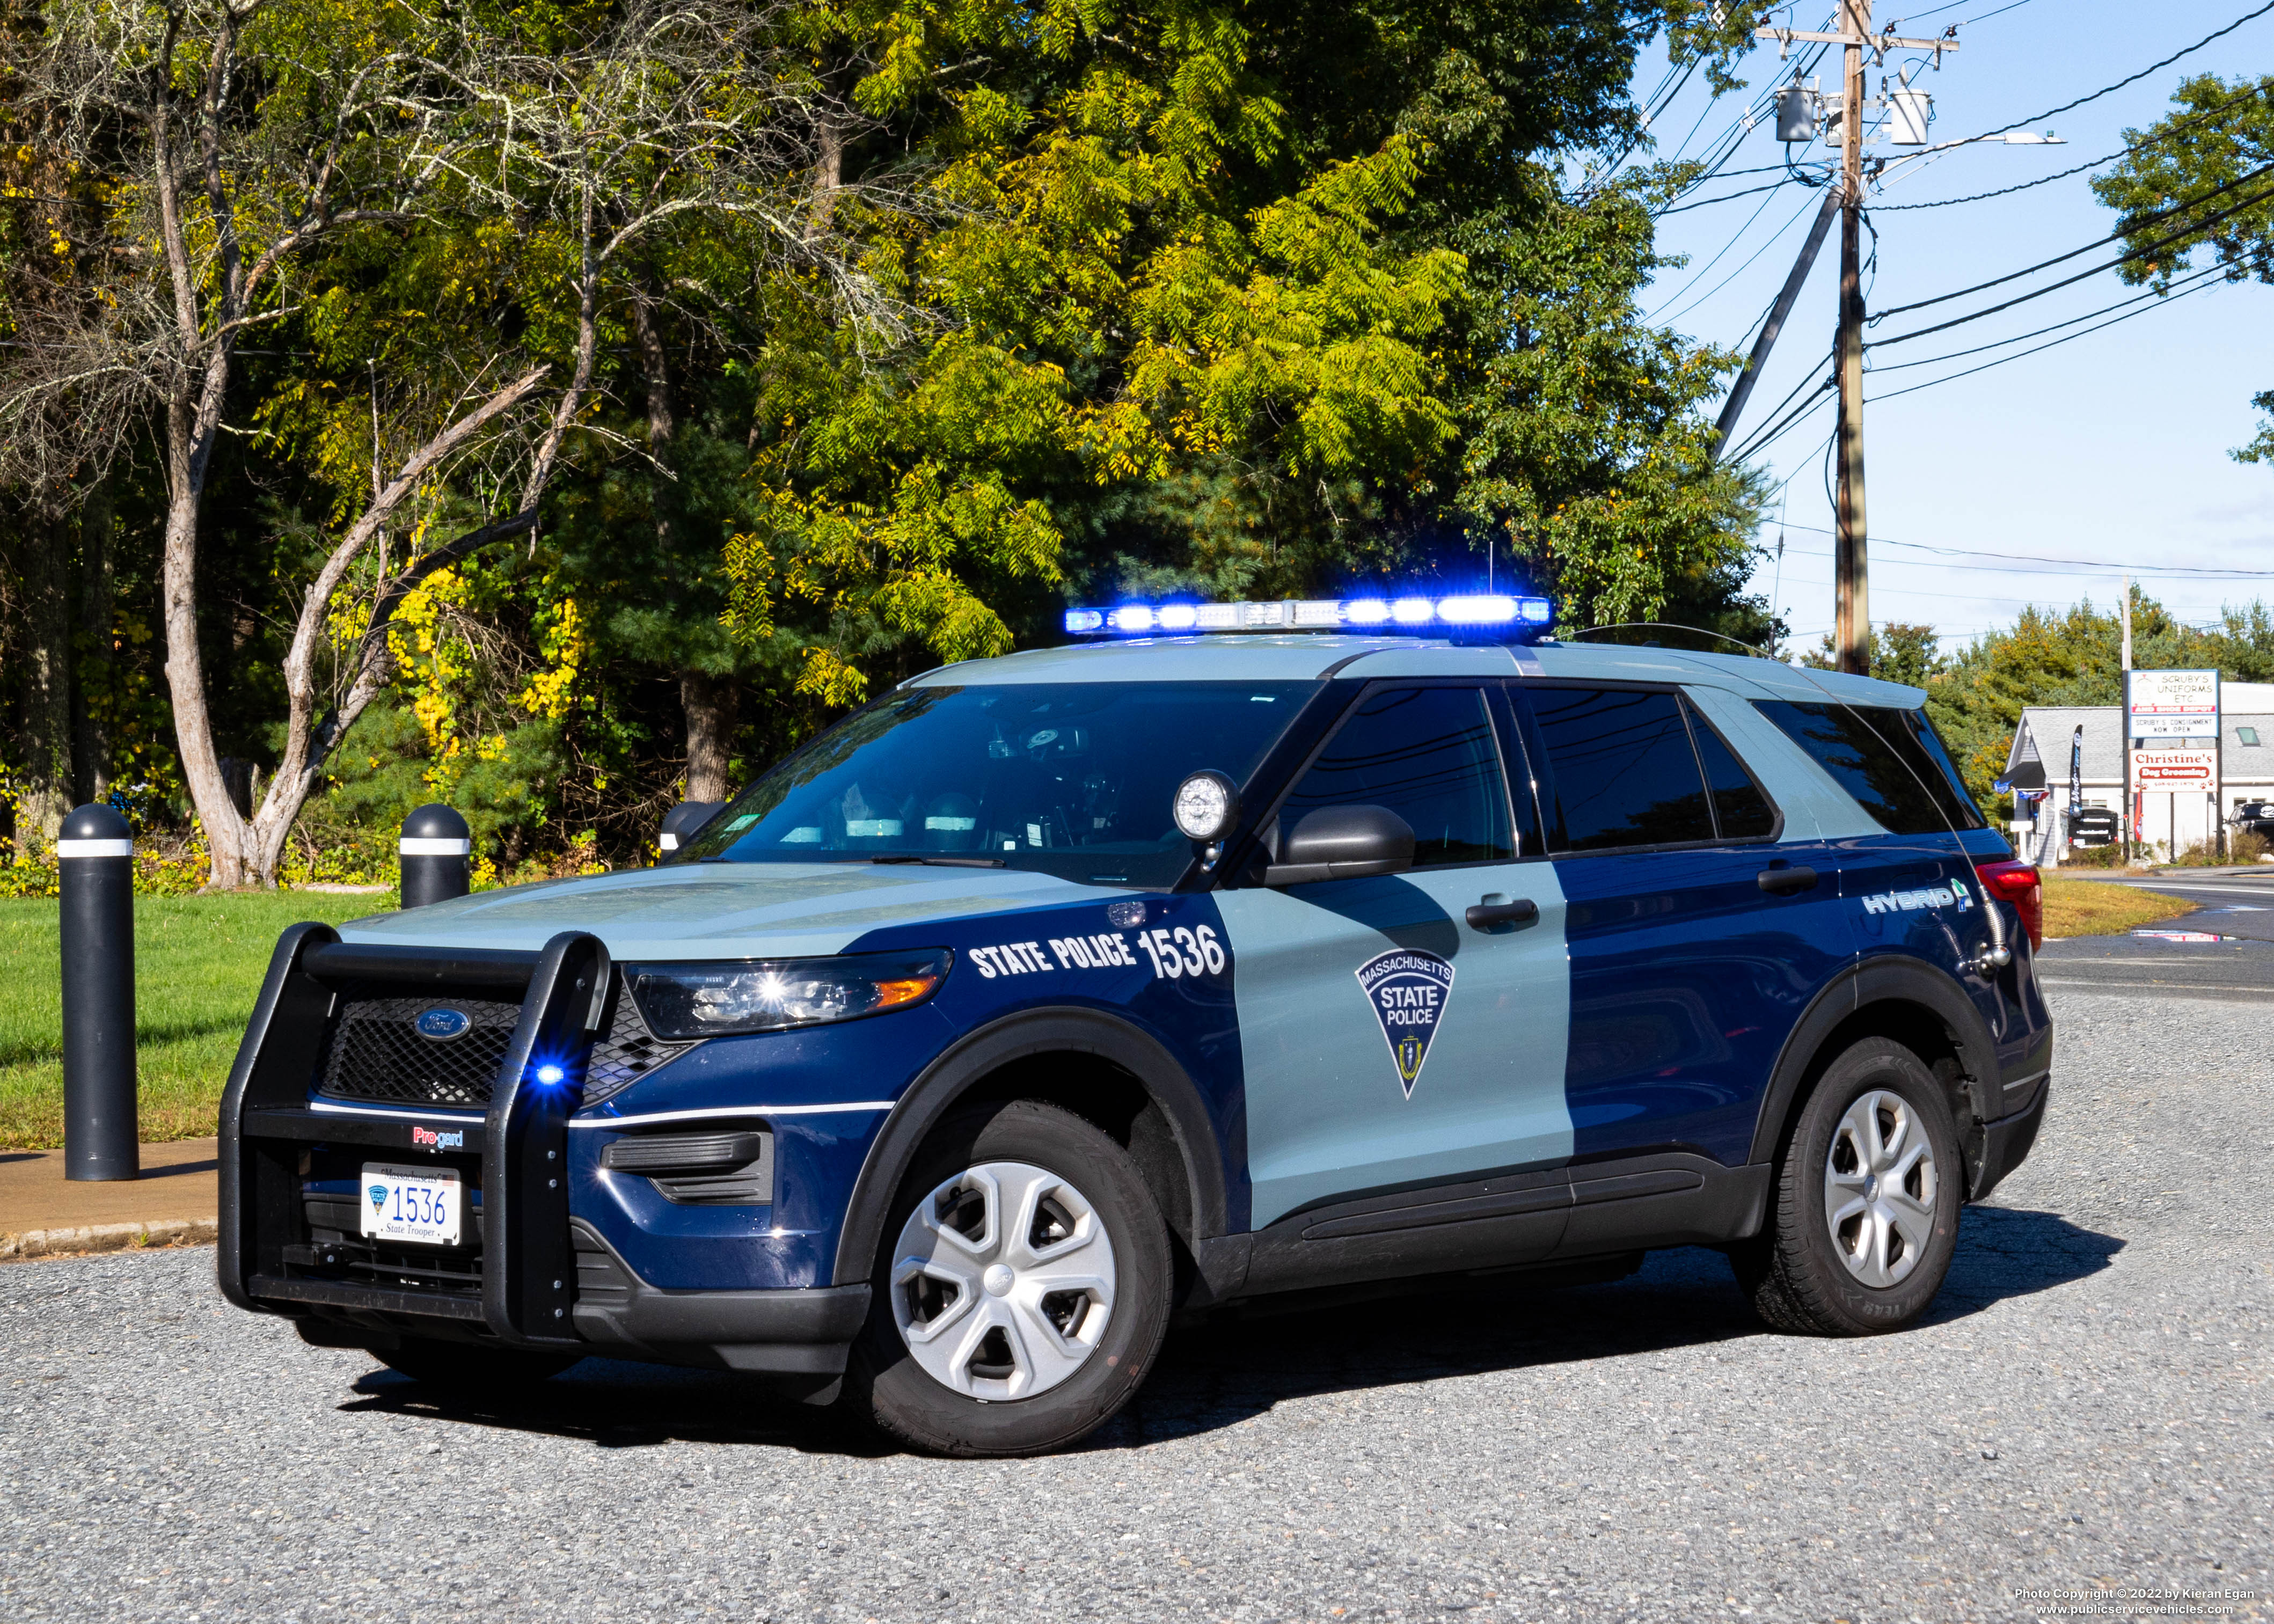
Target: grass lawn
[[198, 965], [2096, 908]]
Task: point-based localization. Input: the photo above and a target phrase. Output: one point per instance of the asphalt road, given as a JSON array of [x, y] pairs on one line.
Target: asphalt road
[[2090, 1409], [2239, 905]]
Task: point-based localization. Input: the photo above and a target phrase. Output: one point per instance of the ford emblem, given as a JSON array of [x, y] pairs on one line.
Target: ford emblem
[[443, 1025]]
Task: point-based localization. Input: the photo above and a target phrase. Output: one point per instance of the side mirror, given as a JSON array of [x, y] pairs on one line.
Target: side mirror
[[1343, 843]]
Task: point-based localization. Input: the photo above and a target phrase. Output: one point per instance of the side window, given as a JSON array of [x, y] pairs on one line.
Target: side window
[[1428, 755], [1623, 769], [1743, 812], [1846, 745], [1912, 734]]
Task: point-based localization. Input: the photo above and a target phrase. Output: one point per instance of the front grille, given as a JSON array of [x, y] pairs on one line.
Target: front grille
[[376, 1052]]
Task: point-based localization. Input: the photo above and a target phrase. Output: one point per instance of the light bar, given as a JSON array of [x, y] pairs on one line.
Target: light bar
[[1486, 612]]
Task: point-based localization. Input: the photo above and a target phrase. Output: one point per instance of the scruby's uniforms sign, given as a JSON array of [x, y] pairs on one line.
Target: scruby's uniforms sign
[[2173, 704]]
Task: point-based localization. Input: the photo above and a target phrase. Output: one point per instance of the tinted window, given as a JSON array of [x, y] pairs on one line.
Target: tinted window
[[1071, 779], [1428, 754], [1623, 769], [1741, 810], [1913, 734], [1867, 766]]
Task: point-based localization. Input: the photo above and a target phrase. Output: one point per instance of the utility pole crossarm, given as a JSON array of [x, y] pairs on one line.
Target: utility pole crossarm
[[1876, 42]]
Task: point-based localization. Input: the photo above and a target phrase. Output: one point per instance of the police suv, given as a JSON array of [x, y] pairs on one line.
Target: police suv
[[1053, 997]]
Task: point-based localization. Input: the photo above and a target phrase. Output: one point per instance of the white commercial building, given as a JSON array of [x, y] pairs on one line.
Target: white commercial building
[[2169, 816]]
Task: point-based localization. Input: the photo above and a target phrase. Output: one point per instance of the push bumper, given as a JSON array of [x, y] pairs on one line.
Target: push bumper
[[2006, 1142], [527, 1274]]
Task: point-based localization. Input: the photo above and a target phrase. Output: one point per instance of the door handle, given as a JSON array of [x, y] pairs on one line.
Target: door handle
[[1782, 882], [1497, 910]]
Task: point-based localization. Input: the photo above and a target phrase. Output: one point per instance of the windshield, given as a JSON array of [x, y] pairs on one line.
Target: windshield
[[1073, 779]]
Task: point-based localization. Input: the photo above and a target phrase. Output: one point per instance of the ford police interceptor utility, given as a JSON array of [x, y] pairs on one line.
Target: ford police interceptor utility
[[1054, 996]]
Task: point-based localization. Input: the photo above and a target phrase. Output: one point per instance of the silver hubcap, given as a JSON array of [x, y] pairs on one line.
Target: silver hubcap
[[1880, 1189], [1003, 1281]]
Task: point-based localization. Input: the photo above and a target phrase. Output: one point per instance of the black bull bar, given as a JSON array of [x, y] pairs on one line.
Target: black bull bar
[[529, 1266]]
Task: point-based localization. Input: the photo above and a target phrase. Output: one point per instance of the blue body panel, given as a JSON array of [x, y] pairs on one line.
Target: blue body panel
[[1686, 979]]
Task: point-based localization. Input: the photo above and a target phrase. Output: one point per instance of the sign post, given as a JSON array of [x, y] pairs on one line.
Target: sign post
[[2176, 711]]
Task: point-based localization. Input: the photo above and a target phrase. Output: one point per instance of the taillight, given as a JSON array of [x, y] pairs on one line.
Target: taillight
[[2016, 882]]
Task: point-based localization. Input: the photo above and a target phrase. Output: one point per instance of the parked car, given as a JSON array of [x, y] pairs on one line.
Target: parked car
[[1051, 996]]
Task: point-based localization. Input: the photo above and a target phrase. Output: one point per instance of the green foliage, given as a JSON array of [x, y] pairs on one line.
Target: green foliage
[[1248, 301], [2196, 160], [1136, 296]]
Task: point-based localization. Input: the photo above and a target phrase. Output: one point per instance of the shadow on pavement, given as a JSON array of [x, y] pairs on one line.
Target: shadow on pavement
[[1242, 1365]]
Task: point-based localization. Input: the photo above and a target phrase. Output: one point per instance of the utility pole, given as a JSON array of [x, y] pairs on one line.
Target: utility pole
[[1852, 607], [2124, 724], [1851, 569]]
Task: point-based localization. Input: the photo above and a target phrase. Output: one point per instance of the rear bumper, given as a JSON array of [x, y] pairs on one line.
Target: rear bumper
[[2006, 1142]]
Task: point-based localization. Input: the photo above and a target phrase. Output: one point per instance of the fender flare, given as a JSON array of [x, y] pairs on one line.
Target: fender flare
[[1031, 1032], [1878, 980]]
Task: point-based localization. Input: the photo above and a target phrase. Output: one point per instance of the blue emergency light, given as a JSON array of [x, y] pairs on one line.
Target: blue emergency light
[[1487, 613]]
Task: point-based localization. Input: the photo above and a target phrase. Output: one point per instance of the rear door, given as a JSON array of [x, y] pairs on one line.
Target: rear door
[[1387, 1043], [1912, 891], [1700, 925]]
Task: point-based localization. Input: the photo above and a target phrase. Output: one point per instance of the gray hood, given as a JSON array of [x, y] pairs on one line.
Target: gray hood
[[729, 910]]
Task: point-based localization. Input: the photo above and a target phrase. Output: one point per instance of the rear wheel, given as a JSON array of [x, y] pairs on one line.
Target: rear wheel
[[1023, 1292], [468, 1367], [1867, 1197]]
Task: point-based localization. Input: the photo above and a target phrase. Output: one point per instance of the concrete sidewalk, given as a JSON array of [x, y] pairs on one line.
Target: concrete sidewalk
[[42, 1213]]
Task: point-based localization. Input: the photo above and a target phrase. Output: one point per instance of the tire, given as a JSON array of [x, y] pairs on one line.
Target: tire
[[1854, 1248], [1021, 1290], [470, 1368]]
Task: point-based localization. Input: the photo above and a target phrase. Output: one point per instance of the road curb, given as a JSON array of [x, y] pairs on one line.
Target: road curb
[[108, 1237]]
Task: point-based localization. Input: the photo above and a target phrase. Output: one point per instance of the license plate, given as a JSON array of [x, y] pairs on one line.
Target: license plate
[[410, 1204]]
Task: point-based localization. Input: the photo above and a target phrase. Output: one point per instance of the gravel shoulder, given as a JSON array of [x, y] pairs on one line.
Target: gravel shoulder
[[2088, 1410]]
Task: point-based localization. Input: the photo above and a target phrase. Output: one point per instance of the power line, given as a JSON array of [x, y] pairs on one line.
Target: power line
[[2152, 293], [2049, 343], [2187, 51], [2040, 558], [1728, 197], [2122, 151], [1769, 243], [2191, 228]]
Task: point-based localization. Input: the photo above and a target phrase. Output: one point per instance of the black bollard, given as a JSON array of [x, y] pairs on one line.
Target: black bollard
[[433, 853], [102, 1135], [680, 822]]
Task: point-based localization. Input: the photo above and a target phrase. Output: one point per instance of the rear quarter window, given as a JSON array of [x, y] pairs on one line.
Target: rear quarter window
[[1874, 756]]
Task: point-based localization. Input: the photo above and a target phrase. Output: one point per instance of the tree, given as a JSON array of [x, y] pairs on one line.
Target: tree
[[2199, 178], [518, 161], [1267, 300]]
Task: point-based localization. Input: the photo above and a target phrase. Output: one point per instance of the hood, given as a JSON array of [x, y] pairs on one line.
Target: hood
[[727, 910]]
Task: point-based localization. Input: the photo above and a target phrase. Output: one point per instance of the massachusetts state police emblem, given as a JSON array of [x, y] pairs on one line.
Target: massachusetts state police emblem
[[1408, 992]]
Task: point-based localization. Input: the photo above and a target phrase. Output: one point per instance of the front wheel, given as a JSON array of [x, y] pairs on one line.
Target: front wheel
[[1867, 1197], [1024, 1290]]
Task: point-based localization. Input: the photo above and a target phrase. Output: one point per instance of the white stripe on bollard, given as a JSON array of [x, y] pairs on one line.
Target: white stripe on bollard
[[94, 848], [431, 846]]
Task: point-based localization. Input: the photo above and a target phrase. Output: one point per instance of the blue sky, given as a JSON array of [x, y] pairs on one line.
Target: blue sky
[[2111, 448]]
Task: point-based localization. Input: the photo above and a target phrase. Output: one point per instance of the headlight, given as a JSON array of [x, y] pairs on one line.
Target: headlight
[[707, 1000]]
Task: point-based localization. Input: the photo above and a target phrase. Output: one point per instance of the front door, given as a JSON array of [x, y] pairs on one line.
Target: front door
[[1387, 1043]]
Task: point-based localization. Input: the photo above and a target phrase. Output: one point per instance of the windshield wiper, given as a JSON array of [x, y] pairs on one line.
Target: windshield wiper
[[944, 863]]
